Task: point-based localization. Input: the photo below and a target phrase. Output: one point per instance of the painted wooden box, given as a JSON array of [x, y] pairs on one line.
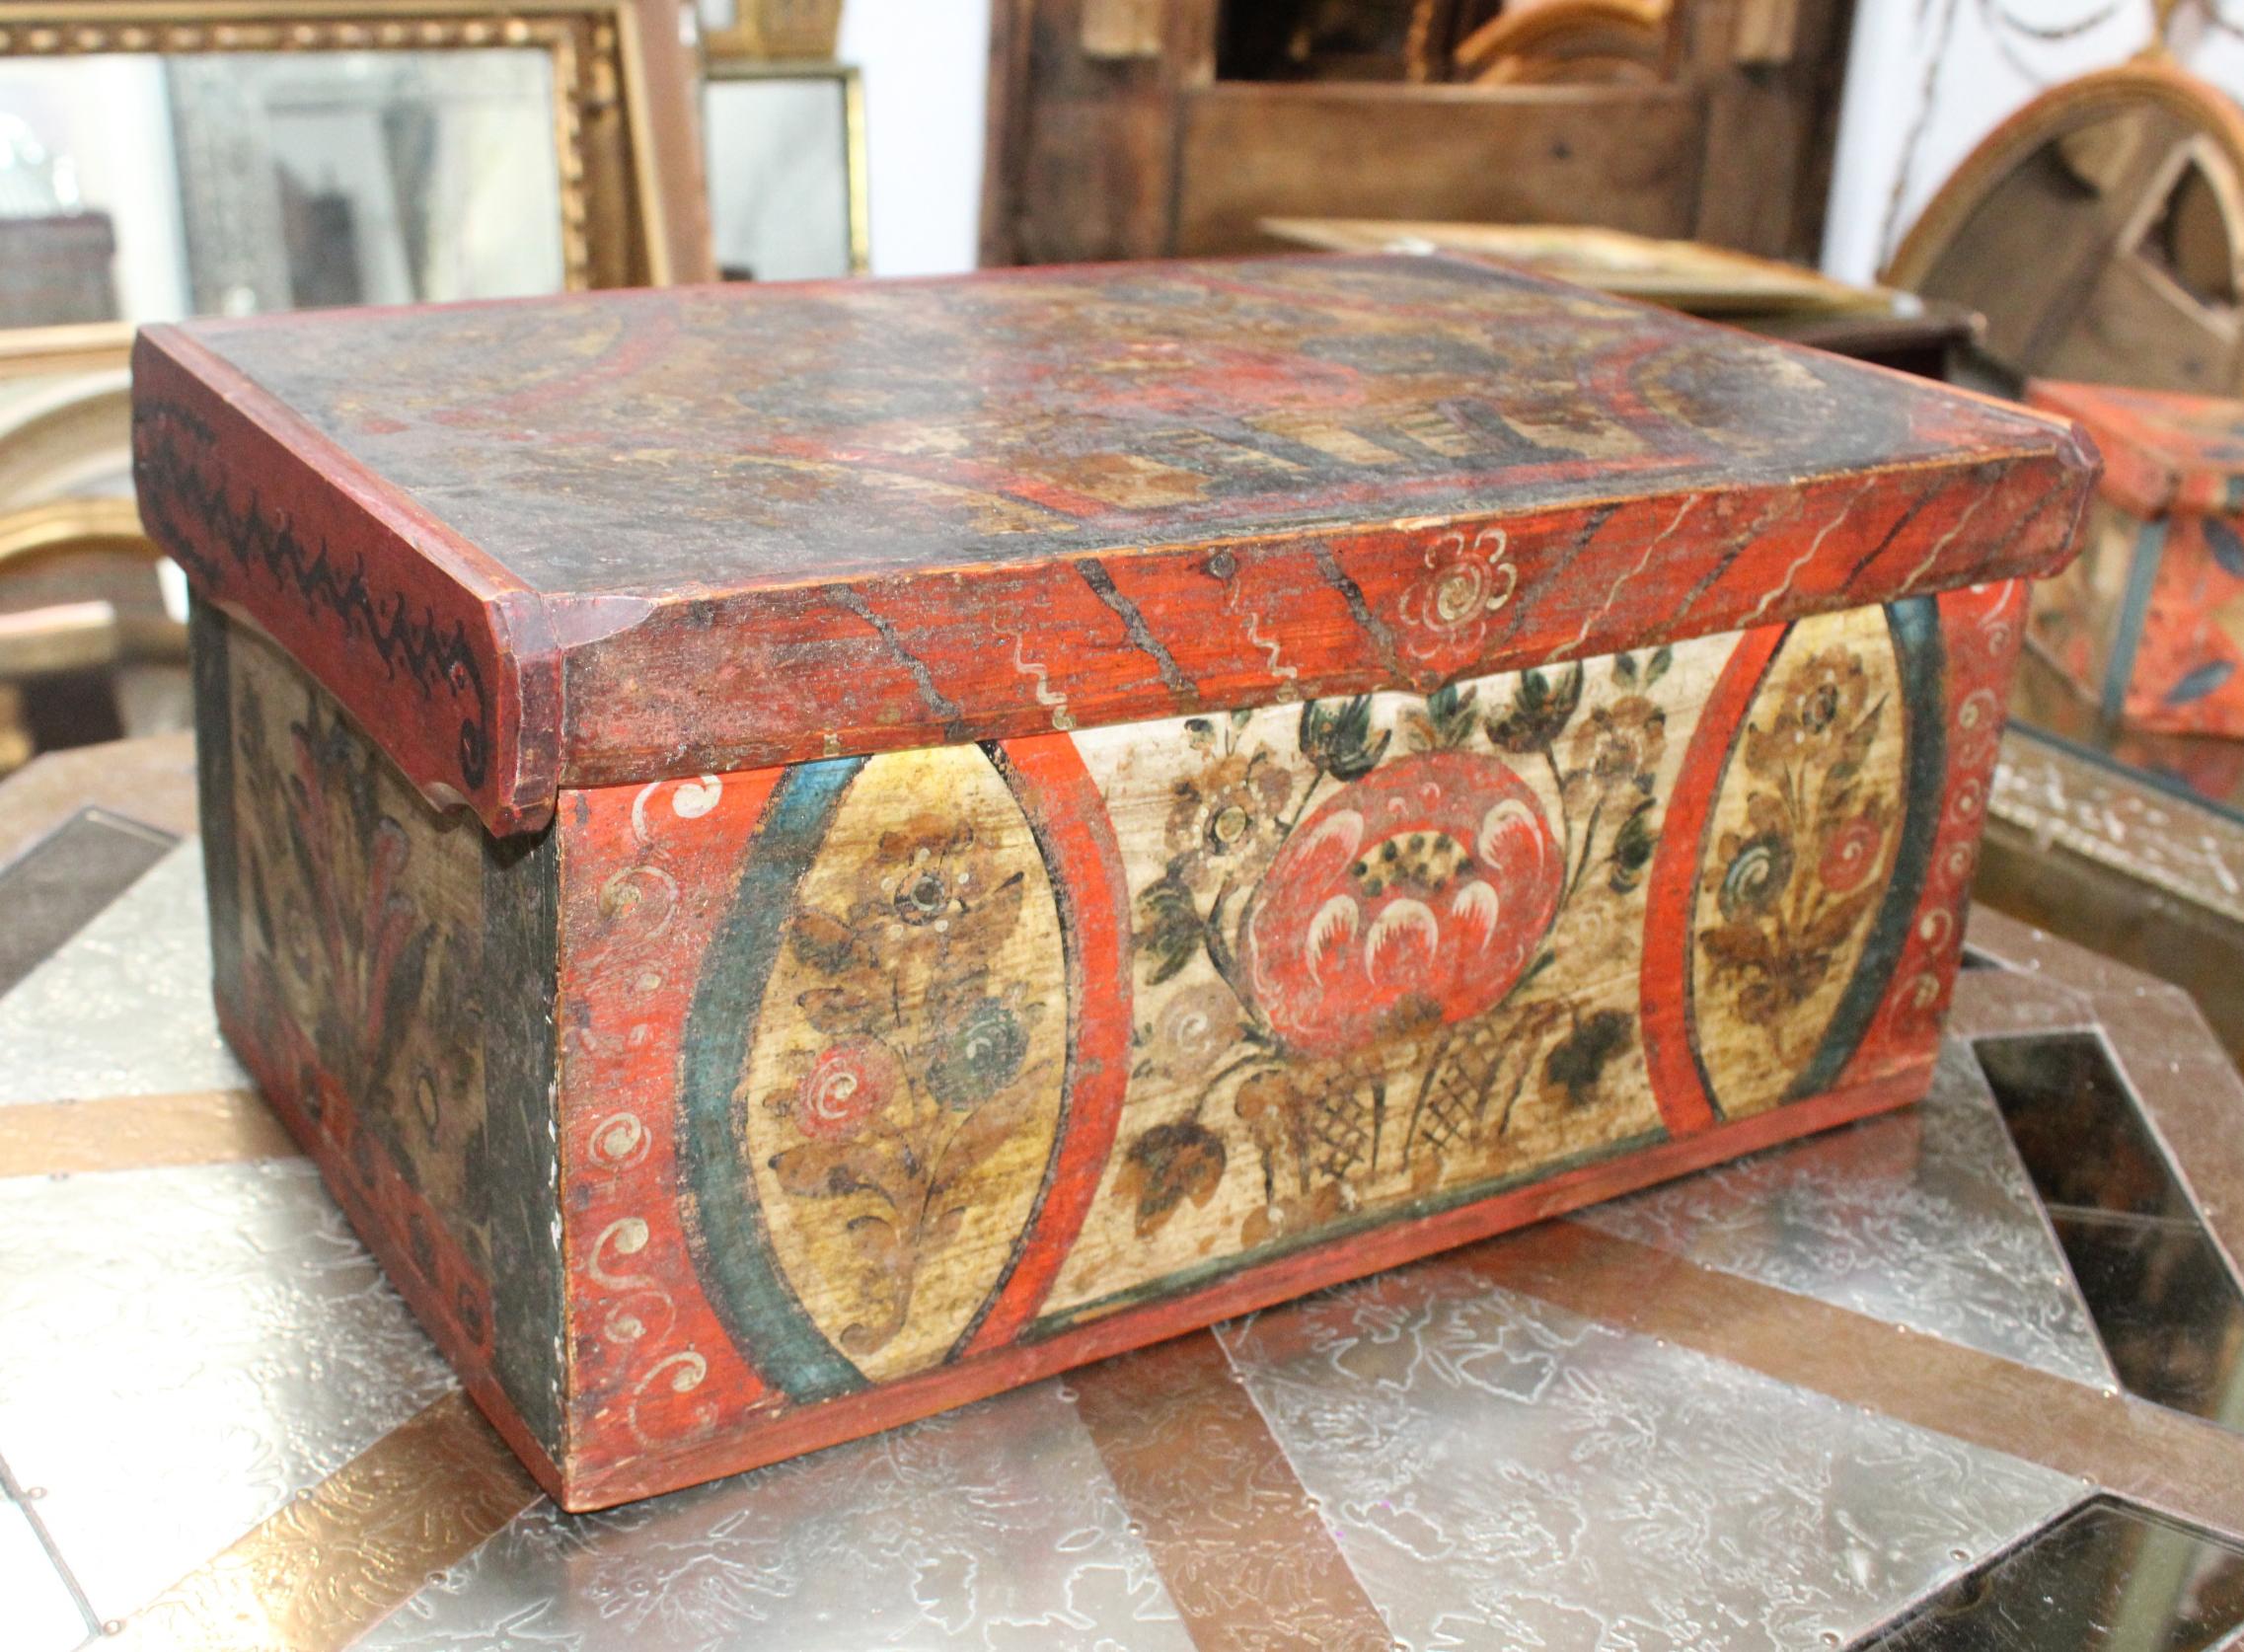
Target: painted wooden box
[[1008, 817], [2148, 623]]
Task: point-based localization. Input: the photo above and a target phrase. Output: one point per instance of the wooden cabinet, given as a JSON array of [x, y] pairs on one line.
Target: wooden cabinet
[[1100, 154]]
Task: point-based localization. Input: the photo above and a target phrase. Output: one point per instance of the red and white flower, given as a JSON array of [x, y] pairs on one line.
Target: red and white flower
[[849, 1083], [1424, 886]]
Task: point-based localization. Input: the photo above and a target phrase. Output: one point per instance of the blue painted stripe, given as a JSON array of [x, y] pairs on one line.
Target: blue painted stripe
[[2134, 613], [1922, 662], [732, 1247]]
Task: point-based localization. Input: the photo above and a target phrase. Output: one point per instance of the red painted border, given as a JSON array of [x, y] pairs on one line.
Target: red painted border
[[642, 889], [1664, 982], [364, 588], [1981, 630], [1064, 807], [663, 1468]]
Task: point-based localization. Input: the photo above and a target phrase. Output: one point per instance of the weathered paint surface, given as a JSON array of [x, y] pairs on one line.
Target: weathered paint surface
[[882, 1083], [609, 539], [387, 976], [932, 1081], [2148, 622], [1080, 802]]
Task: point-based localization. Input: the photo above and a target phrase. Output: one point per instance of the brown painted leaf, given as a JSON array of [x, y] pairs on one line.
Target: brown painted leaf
[[843, 1010], [985, 1129], [1836, 923], [1739, 946], [1166, 1166], [821, 941], [836, 1170]]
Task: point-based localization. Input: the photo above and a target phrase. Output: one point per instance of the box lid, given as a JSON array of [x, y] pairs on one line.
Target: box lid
[[2162, 452], [617, 537]]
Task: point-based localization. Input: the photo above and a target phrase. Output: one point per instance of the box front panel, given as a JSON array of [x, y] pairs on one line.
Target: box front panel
[[2148, 622], [891, 1080], [385, 973]]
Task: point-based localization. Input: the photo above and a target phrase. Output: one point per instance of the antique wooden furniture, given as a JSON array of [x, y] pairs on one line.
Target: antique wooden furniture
[[2148, 622], [2100, 230], [1671, 1377], [1112, 143], [1028, 813]]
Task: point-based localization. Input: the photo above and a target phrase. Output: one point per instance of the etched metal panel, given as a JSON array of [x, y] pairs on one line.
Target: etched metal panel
[[2162, 1296], [2108, 1578], [1502, 1473], [123, 1006], [1922, 1219], [994, 1526], [34, 1603], [186, 1350], [65, 878]]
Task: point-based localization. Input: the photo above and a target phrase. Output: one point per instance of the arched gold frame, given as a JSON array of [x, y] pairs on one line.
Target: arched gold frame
[[1568, 41], [2101, 295], [2054, 114]]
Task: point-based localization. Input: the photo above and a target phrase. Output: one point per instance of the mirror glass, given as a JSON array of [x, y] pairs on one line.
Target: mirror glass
[[781, 174], [143, 188]]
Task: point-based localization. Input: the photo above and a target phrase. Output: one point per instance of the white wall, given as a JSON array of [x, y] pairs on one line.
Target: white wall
[[1928, 79], [926, 66]]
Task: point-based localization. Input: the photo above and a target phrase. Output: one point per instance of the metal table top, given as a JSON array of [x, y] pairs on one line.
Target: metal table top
[[1786, 1403]]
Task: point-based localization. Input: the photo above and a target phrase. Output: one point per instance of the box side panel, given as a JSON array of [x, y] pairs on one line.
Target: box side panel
[[385, 972], [894, 1081], [2183, 674], [421, 637]]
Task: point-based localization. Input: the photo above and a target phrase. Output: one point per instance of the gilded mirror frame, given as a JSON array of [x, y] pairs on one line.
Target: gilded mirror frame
[[718, 70], [614, 228]]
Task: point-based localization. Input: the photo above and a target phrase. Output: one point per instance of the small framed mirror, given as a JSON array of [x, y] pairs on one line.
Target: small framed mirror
[[787, 169], [239, 157]]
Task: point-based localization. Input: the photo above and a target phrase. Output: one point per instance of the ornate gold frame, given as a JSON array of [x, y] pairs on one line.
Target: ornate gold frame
[[613, 229], [719, 69]]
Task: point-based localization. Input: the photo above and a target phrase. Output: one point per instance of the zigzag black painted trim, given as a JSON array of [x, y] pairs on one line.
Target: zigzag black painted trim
[[172, 482]]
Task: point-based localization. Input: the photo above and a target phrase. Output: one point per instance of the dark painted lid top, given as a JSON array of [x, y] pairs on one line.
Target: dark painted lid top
[[700, 528]]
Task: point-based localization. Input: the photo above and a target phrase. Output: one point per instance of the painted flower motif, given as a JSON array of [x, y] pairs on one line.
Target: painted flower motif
[[1419, 891], [1448, 611], [849, 1083], [1225, 817], [1850, 854], [933, 891], [1756, 871], [1195, 1026], [1825, 700], [1621, 744], [977, 1054], [1541, 708]]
